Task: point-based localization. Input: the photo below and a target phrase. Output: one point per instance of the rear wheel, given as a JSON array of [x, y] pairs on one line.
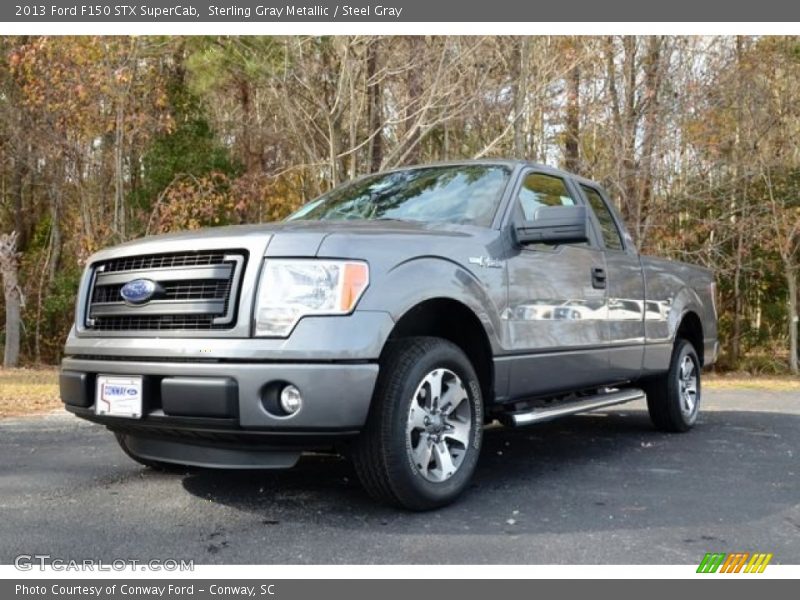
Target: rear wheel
[[673, 399], [421, 442]]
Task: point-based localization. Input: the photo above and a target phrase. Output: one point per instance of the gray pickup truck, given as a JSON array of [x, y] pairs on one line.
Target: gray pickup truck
[[389, 320]]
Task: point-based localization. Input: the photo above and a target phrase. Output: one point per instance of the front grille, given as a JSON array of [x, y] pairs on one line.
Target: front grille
[[155, 323], [164, 261], [198, 289], [195, 291]]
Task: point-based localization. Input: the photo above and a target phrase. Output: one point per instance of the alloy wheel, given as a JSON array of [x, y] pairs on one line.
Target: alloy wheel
[[439, 425]]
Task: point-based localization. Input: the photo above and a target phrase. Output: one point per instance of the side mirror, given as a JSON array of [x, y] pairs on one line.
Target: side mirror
[[555, 225]]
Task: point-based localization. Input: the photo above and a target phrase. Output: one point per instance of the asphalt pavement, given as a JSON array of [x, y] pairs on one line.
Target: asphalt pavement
[[595, 488]]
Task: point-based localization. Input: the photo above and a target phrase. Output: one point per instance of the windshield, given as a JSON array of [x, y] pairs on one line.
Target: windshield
[[451, 194]]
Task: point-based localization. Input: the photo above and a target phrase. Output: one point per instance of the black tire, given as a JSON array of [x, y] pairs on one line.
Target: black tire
[[665, 394], [383, 452], [156, 465]]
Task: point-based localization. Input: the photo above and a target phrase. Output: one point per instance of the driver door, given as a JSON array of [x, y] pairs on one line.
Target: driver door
[[556, 302]]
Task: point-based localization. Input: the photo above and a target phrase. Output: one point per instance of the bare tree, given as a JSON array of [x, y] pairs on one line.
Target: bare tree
[[9, 265], [374, 105], [785, 227], [521, 80], [573, 112], [694, 137]]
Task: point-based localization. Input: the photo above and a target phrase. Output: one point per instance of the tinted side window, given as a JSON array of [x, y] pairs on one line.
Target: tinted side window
[[542, 190], [611, 236]]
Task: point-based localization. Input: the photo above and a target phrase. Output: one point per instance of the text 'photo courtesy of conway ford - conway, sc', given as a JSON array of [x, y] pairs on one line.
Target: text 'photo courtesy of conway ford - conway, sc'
[[389, 320]]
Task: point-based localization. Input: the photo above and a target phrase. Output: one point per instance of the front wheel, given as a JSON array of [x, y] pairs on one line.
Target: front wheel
[[423, 435], [673, 399]]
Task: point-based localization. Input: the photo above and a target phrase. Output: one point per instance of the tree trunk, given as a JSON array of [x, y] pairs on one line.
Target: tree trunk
[[13, 322], [119, 175], [414, 90], [333, 152], [17, 195], [352, 118], [375, 108], [652, 84], [520, 98], [13, 298], [791, 302], [20, 152], [55, 234], [736, 328], [739, 216], [629, 126], [571, 147]]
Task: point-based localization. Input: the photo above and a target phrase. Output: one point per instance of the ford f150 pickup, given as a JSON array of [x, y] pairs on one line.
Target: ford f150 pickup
[[389, 320]]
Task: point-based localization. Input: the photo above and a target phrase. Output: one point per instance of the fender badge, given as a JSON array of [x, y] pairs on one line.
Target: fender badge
[[485, 261]]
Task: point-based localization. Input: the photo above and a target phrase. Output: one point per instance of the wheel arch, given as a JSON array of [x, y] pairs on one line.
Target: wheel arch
[[456, 322], [691, 328]]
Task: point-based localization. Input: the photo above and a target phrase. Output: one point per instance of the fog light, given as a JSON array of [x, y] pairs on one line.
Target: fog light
[[291, 400]]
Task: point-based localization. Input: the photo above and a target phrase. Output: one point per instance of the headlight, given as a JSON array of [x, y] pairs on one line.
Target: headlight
[[292, 289]]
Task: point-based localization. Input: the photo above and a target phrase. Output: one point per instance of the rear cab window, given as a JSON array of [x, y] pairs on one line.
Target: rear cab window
[[612, 238]]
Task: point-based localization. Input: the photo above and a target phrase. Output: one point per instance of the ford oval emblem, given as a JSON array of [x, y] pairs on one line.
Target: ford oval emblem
[[138, 291]]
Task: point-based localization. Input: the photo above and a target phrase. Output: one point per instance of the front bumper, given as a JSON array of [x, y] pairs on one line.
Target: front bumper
[[336, 396], [207, 400], [216, 414]]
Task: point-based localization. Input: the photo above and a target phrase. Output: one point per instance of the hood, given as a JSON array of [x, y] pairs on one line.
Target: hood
[[353, 238], [285, 238]]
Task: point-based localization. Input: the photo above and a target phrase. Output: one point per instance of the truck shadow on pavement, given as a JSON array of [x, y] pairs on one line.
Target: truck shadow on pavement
[[596, 472]]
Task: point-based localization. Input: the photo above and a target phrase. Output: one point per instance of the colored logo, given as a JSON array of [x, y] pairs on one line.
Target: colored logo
[[738, 562], [138, 291]]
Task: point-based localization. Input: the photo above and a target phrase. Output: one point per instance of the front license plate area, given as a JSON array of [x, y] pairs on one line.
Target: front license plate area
[[119, 396]]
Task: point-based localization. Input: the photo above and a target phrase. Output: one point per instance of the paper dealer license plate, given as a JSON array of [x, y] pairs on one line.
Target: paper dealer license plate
[[119, 396]]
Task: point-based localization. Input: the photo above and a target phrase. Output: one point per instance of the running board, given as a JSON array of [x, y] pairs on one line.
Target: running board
[[538, 415]]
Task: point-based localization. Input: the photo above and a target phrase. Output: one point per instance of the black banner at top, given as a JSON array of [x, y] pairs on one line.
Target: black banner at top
[[209, 11]]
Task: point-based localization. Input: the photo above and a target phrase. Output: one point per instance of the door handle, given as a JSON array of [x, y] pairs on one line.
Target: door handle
[[598, 278]]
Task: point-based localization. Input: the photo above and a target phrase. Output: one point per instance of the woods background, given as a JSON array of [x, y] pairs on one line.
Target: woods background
[[104, 139]]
